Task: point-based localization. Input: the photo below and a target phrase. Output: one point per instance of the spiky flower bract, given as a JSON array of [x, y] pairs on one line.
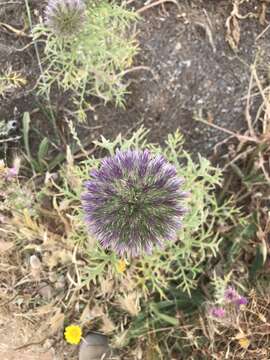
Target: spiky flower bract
[[65, 17], [134, 202]]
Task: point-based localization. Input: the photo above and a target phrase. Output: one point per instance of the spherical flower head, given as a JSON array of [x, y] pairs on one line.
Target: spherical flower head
[[73, 334], [65, 17], [134, 202]]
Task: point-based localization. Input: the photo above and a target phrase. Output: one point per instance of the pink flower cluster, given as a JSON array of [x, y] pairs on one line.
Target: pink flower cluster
[[231, 296]]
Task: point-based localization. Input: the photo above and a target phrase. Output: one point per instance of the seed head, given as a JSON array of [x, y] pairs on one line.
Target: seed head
[[133, 202], [65, 17]]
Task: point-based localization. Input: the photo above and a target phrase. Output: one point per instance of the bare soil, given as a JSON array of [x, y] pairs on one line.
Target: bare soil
[[192, 70], [15, 336]]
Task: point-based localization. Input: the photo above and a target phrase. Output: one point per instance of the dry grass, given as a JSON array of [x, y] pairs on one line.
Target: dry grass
[[245, 336], [16, 331]]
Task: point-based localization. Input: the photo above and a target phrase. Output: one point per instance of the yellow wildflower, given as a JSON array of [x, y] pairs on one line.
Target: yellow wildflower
[[244, 343], [73, 334], [121, 266]]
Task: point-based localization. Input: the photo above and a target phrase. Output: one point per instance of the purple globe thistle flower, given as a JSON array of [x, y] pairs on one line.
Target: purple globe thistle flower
[[134, 202], [65, 17]]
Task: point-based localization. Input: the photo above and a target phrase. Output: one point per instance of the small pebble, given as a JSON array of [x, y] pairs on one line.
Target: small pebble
[[36, 267], [94, 347], [45, 291], [60, 283], [178, 46]]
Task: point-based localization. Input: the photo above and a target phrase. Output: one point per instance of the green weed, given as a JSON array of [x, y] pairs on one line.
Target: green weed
[[94, 62], [10, 80]]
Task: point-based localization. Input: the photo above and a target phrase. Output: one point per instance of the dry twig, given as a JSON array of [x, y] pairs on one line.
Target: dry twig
[[156, 3]]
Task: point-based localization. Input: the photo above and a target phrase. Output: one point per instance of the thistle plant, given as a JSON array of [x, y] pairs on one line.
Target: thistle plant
[[134, 202], [65, 18], [89, 47], [111, 208], [9, 81]]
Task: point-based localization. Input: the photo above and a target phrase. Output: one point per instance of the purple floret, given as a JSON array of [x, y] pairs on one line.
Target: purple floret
[[11, 173], [217, 312], [133, 202], [231, 294], [241, 301]]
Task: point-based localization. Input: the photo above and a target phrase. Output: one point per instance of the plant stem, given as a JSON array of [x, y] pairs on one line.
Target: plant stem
[[52, 117]]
